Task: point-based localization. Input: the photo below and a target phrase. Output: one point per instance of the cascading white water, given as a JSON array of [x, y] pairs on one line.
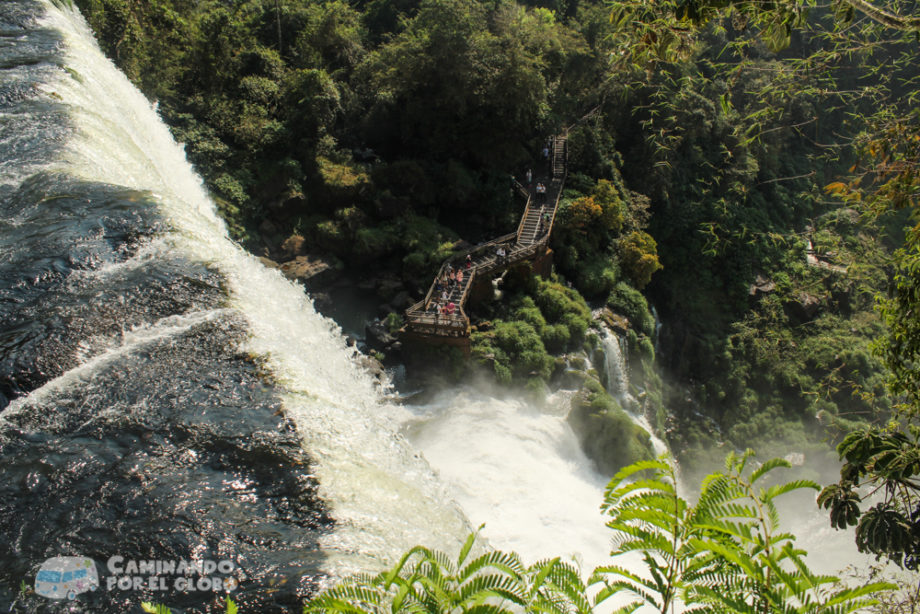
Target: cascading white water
[[518, 468], [616, 370], [383, 497]]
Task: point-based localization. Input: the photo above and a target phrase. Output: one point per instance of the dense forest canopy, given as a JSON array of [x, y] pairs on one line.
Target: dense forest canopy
[[747, 168]]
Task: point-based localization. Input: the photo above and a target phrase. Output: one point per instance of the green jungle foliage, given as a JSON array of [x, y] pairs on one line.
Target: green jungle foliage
[[725, 554], [384, 132], [710, 143], [536, 318]]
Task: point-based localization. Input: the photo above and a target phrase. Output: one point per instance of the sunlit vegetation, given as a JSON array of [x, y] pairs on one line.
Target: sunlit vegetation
[[725, 553], [747, 168]]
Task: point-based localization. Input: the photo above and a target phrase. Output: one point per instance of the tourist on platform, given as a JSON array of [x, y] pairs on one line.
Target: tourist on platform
[[469, 261]]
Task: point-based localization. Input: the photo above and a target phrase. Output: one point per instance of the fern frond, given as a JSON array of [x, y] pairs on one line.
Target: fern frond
[[781, 489], [506, 562], [767, 467]]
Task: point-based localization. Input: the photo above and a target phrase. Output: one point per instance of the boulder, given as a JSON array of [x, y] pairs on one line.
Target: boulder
[[267, 227], [607, 434], [617, 323], [389, 287], [295, 245], [312, 271], [803, 308], [378, 336], [761, 286], [371, 365], [268, 262], [401, 301]]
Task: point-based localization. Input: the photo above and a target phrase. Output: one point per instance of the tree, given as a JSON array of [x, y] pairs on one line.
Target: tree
[[639, 254], [883, 180]]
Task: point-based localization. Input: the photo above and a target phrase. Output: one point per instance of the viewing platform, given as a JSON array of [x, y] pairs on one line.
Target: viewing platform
[[431, 319]]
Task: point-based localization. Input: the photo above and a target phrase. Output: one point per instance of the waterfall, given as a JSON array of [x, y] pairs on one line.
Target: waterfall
[[517, 466], [169, 396], [656, 337], [165, 397], [617, 373]]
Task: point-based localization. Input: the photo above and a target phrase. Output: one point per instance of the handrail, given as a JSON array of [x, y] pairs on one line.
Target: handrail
[[523, 218], [469, 284], [459, 323], [454, 258]]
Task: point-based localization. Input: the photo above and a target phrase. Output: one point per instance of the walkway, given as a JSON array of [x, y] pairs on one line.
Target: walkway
[[528, 243]]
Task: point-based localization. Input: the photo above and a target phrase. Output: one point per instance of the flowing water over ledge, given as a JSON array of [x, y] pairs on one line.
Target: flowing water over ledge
[[166, 397]]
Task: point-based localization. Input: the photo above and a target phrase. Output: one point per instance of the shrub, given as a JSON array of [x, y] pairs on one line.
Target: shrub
[[556, 337], [515, 351], [394, 322], [626, 300]]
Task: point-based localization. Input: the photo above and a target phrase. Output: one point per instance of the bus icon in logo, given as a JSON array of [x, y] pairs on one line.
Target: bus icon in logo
[[66, 576]]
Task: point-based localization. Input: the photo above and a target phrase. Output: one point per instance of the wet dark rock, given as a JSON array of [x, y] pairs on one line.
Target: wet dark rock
[[372, 365], [267, 227], [378, 336], [401, 301], [366, 284], [388, 287], [616, 322], [295, 245]]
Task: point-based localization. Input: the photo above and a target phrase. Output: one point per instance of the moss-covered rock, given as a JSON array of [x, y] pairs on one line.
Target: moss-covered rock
[[608, 435]]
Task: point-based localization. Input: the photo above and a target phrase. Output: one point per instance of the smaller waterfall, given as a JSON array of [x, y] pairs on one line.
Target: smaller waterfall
[[656, 339], [617, 372]]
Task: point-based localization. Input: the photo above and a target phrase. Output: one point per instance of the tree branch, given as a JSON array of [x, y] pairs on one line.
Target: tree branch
[[884, 17]]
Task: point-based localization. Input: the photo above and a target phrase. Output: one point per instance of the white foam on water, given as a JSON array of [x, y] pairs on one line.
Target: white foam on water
[[384, 498], [518, 468]]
